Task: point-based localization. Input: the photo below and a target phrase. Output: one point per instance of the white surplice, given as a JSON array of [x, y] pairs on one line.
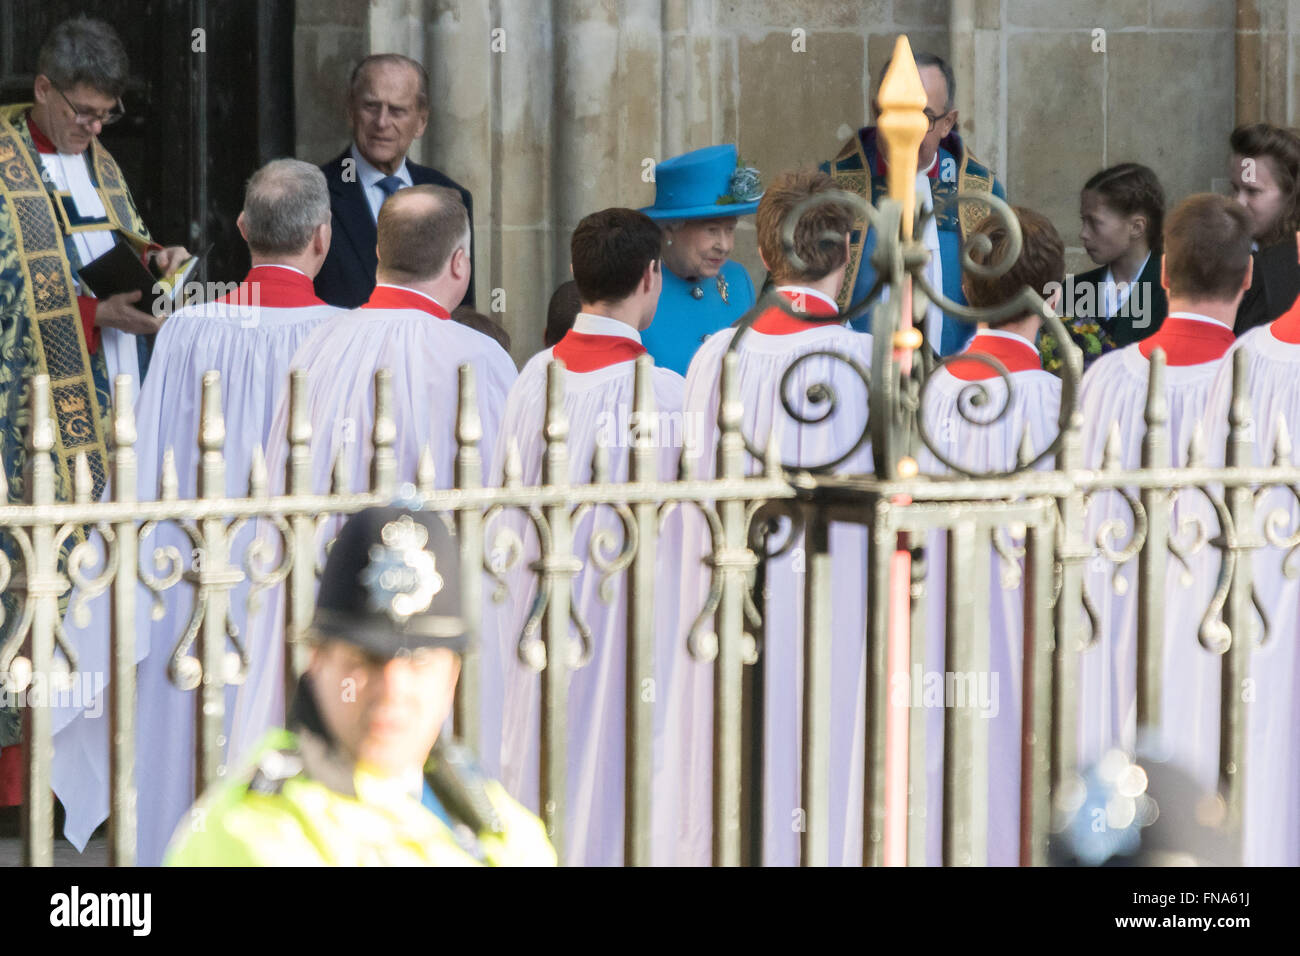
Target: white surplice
[[599, 406], [684, 825], [251, 347], [423, 352], [1034, 405], [1114, 393], [1272, 703]]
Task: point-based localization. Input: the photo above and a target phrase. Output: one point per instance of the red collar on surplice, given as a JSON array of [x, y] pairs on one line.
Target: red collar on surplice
[[1015, 354], [584, 352], [776, 321], [395, 297], [1286, 327], [42, 142], [273, 287], [1188, 341]]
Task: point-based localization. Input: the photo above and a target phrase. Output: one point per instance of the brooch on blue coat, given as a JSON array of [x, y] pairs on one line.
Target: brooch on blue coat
[[722, 289]]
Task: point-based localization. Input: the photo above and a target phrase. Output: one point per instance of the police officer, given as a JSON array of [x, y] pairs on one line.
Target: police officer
[[362, 777]]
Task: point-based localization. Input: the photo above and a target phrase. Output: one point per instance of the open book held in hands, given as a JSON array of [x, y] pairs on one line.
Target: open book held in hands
[[120, 270]]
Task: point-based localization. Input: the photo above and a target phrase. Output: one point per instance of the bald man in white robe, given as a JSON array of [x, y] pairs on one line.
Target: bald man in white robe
[[405, 327]]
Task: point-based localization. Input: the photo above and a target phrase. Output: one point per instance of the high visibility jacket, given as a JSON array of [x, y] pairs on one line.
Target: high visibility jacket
[[280, 813]]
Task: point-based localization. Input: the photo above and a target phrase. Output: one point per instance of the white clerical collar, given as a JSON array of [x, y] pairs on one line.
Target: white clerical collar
[[795, 290], [589, 323], [369, 175], [1110, 274], [926, 172], [405, 288], [279, 265], [998, 333], [1196, 317]]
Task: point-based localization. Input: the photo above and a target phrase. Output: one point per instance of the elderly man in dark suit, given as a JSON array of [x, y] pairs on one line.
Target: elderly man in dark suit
[[388, 106]]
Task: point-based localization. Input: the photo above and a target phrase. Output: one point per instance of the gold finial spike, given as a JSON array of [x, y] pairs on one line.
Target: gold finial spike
[[42, 434], [907, 467], [81, 483], [555, 466], [1282, 442], [686, 466], [425, 472], [124, 433], [902, 126], [257, 480], [1196, 447], [170, 484], [299, 416], [600, 464], [212, 434], [514, 468], [772, 454], [1025, 453], [339, 484], [1114, 451], [469, 426]]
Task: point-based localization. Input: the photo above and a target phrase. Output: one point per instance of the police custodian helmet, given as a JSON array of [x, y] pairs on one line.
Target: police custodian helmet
[[391, 584]]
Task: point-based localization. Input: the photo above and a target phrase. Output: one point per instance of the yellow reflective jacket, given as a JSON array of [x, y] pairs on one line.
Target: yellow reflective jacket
[[283, 812]]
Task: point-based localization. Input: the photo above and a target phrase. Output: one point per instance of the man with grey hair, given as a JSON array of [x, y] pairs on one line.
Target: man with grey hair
[[944, 167], [63, 203], [388, 109], [248, 336]]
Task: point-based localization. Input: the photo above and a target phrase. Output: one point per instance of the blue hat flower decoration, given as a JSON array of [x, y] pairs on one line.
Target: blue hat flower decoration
[[705, 184]]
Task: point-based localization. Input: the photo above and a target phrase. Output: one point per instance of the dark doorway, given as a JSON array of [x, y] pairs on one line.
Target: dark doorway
[[210, 99]]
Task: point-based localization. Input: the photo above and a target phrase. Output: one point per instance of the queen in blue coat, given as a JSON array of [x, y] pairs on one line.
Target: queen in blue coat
[[699, 197]]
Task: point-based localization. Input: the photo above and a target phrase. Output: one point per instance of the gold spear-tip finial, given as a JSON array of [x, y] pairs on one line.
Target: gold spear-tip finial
[[902, 126]]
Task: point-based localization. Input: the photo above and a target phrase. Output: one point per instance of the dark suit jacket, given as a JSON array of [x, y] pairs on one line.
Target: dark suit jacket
[[1126, 330], [348, 276], [1274, 286]]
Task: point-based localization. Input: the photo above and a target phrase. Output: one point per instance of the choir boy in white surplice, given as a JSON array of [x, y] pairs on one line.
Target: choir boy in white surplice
[[1272, 699], [1206, 269], [615, 255], [961, 402], [249, 337], [768, 348], [405, 327]]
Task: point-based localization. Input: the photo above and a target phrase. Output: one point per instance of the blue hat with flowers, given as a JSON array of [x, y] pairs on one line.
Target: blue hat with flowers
[[705, 184]]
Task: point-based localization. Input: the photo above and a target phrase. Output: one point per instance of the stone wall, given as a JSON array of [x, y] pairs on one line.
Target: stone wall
[[557, 112]]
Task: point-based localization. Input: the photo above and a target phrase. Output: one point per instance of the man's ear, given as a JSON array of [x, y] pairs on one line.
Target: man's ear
[[1142, 219], [321, 237], [242, 226], [460, 263], [41, 88], [1250, 273], [953, 119], [1164, 272]]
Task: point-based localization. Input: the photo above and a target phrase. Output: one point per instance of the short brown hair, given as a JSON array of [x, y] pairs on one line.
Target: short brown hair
[[813, 235], [1041, 262], [416, 237], [1207, 248], [610, 251]]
